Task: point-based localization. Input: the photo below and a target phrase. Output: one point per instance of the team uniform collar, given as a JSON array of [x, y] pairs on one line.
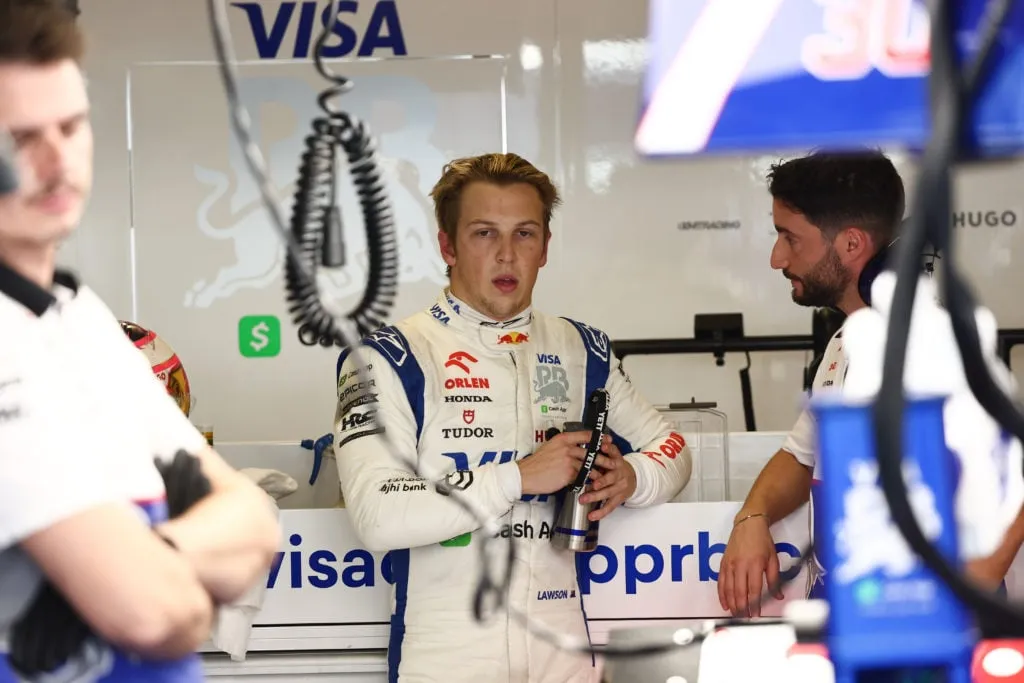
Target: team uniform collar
[[492, 334], [30, 295]]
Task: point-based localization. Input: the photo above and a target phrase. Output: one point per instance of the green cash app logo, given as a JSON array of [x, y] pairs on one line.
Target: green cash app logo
[[460, 541], [259, 336]]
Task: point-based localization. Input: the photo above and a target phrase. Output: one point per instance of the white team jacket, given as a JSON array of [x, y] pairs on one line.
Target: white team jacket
[[466, 400]]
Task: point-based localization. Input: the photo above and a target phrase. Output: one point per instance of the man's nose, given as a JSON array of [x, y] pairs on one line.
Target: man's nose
[[506, 249], [50, 157], [778, 260]]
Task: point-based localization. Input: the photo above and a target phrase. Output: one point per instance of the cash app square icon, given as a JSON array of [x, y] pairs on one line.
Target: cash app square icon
[[259, 336]]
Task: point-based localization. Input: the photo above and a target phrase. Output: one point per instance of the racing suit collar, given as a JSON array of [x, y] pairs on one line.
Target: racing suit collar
[[491, 334]]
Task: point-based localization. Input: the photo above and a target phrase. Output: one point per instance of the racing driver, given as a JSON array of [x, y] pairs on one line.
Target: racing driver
[[469, 389]]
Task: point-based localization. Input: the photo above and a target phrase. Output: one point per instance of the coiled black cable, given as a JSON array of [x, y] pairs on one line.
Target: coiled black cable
[[316, 219], [954, 93]]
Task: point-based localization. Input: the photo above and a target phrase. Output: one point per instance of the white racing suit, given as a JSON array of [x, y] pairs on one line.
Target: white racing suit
[[466, 400]]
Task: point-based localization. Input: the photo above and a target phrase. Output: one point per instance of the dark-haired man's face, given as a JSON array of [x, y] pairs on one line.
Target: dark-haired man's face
[[808, 259]]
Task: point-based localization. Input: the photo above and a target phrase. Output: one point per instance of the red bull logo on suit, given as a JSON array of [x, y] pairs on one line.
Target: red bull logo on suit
[[513, 338]]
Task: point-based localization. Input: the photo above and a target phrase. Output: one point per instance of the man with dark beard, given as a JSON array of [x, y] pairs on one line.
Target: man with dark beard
[[832, 212]]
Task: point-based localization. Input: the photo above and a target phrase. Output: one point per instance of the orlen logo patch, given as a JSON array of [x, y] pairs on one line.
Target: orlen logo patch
[[462, 360], [456, 359], [670, 448], [513, 338]]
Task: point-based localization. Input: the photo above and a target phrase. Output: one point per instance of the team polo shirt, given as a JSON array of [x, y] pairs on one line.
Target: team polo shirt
[[82, 416], [802, 440]]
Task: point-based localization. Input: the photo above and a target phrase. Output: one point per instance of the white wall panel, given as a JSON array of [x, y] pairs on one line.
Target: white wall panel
[[639, 247], [230, 257]]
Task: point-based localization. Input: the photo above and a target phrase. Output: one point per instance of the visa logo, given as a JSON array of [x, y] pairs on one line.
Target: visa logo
[[548, 359], [655, 563], [269, 27], [355, 570], [439, 314]]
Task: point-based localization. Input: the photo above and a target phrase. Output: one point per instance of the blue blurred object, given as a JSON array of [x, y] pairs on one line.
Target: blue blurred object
[[771, 75], [887, 611], [318, 447]]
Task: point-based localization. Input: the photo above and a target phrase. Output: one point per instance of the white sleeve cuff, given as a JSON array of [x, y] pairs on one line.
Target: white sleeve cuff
[[510, 481], [800, 442], [800, 454], [643, 486]]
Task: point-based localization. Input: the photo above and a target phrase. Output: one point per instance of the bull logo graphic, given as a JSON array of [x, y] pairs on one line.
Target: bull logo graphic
[[513, 338], [551, 384], [867, 540], [402, 114]]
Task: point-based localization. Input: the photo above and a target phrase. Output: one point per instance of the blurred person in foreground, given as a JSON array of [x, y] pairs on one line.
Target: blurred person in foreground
[[121, 530], [468, 388]]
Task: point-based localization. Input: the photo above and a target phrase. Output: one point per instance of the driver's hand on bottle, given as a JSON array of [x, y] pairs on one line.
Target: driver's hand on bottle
[[556, 463]]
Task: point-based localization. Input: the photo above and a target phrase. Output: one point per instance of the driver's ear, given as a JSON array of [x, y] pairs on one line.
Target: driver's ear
[[447, 247]]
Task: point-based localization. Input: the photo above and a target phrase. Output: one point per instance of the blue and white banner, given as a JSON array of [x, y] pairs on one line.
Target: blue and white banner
[[656, 563]]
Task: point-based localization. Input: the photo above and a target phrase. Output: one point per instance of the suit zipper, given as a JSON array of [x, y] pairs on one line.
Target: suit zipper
[[508, 598]]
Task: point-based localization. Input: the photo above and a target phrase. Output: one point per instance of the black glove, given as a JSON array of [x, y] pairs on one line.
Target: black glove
[[47, 634], [50, 632], [185, 482]]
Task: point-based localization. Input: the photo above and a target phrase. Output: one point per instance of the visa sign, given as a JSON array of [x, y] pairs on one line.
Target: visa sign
[[637, 564], [355, 569], [655, 562], [270, 26]]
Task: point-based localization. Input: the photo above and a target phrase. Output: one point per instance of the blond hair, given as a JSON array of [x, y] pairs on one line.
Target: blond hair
[[498, 169]]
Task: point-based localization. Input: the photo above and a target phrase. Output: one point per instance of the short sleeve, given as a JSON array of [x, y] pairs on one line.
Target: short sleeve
[[801, 439], [46, 474], [169, 428]]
